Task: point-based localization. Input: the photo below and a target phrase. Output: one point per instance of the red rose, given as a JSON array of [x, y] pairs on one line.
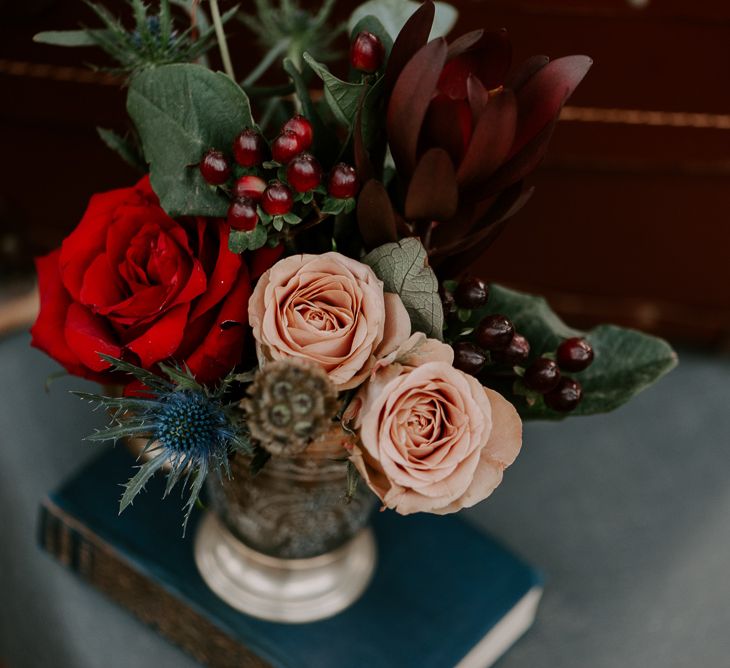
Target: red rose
[[464, 133], [132, 282]]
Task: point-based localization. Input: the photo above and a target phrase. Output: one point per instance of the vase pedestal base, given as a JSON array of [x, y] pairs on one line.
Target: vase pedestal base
[[283, 590]]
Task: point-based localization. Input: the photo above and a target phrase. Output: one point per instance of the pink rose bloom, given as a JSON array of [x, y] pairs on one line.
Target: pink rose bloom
[[432, 438], [330, 310]]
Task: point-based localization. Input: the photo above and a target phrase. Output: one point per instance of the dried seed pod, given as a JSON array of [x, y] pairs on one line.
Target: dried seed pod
[[288, 405]]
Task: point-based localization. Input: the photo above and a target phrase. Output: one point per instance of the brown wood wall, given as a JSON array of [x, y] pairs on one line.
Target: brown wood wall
[[631, 217]]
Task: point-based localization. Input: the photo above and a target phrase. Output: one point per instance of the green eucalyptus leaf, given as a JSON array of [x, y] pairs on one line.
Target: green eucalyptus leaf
[[626, 361], [181, 111], [240, 241], [70, 37], [126, 150], [393, 14], [342, 97], [403, 267]]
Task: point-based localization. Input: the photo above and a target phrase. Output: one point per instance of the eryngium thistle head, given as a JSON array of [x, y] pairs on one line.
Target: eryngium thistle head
[[288, 405]]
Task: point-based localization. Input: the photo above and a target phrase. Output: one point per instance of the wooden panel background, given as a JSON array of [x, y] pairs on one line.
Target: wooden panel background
[[631, 217]]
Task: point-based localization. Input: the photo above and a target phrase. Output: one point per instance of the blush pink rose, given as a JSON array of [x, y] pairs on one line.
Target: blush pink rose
[[432, 438], [330, 310]]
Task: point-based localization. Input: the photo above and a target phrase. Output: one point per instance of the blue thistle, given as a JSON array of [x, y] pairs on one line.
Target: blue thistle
[[188, 426]]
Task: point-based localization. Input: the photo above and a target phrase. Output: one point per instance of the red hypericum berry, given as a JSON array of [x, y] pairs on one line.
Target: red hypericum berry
[[249, 186], [248, 148], [366, 52], [471, 293], [277, 199], [285, 147], [343, 182], [304, 173], [469, 358], [515, 354], [542, 375], [242, 214], [574, 354], [566, 396], [215, 168], [494, 332], [302, 128]]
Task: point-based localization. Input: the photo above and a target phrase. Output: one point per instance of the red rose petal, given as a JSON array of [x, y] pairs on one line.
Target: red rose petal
[[47, 332], [223, 275], [88, 335], [222, 348], [101, 286], [162, 338]]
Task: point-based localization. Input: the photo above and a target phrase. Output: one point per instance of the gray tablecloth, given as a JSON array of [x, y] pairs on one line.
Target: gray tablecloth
[[627, 514]]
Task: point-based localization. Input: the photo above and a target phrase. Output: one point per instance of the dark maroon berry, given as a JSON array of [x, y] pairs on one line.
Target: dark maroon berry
[[304, 173], [515, 354], [277, 199], [302, 128], [471, 293], [249, 186], [366, 52], [494, 332], [285, 147], [542, 375], [242, 214], [215, 168], [248, 148], [343, 182], [574, 354], [566, 396], [468, 357]]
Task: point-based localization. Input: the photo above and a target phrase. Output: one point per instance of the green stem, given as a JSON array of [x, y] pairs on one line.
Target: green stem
[[221, 36], [265, 63]]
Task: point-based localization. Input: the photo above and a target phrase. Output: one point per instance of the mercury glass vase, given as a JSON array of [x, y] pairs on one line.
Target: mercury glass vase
[[284, 544]]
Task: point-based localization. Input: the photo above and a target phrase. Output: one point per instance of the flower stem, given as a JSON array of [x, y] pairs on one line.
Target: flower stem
[[221, 36]]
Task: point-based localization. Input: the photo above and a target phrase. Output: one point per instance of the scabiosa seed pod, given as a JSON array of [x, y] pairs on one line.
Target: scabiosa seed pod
[[288, 405]]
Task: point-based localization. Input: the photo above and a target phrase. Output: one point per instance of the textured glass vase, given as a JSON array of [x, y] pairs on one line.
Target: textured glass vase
[[284, 544]]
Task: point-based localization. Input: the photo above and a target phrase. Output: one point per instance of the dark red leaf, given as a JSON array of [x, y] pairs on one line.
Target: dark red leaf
[[448, 125], [413, 35], [477, 95], [531, 66], [542, 97], [491, 140], [409, 102], [432, 193], [464, 43], [375, 217]]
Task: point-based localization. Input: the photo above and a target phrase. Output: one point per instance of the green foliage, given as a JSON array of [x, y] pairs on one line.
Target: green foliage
[[626, 361], [125, 148], [403, 267], [181, 111], [342, 97], [240, 241], [153, 41], [285, 29], [392, 15]]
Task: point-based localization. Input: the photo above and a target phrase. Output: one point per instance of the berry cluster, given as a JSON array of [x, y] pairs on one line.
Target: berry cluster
[[268, 190], [544, 375], [497, 348]]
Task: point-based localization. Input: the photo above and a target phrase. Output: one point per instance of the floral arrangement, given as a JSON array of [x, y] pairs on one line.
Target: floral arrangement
[[295, 260]]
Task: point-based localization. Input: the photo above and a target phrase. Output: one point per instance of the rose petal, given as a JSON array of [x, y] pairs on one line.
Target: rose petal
[[162, 338], [88, 335]]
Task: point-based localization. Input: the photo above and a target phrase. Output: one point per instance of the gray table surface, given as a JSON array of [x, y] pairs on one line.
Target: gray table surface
[[628, 515]]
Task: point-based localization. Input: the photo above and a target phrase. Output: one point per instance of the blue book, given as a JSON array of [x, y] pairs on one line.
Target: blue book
[[443, 594]]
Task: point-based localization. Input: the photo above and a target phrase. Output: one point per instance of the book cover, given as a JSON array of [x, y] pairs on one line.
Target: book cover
[[444, 594]]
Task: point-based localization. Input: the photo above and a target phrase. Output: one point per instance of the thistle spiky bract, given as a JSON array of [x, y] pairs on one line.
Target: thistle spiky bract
[[187, 426]]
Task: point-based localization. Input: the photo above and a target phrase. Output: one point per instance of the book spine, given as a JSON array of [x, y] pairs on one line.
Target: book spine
[[85, 553]]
